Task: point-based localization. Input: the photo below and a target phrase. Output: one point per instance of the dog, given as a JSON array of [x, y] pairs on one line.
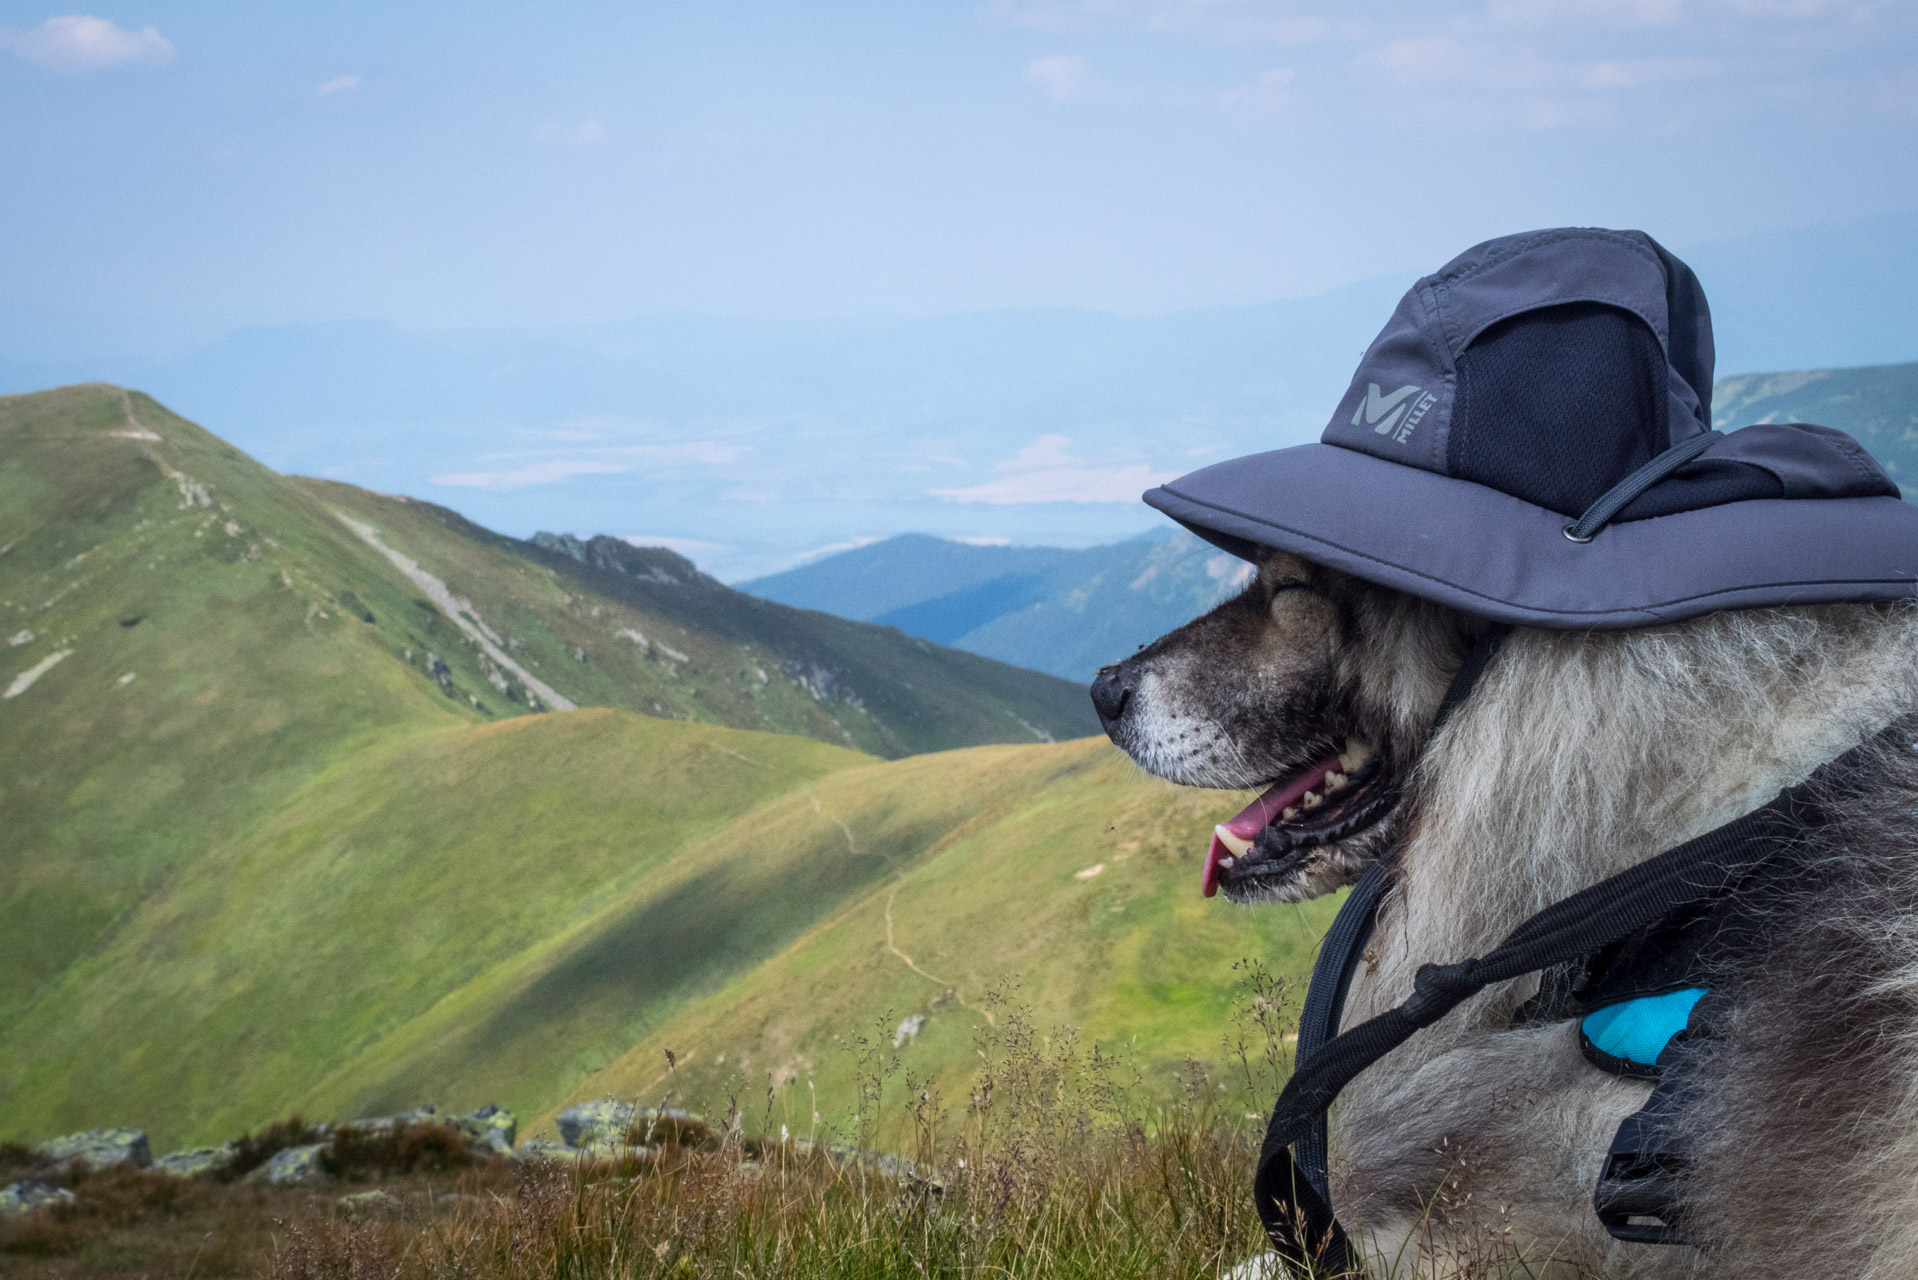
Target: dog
[[1475, 1146]]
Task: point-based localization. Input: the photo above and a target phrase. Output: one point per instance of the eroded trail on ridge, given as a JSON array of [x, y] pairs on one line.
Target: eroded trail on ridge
[[958, 993]]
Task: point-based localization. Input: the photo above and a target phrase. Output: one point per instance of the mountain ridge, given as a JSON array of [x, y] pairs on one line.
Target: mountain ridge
[[1069, 612]]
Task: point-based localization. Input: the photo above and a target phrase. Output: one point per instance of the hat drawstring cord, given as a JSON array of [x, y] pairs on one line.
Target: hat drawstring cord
[[1614, 499]]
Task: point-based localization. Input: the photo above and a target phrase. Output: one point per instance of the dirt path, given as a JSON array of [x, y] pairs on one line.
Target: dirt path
[[461, 612], [957, 993]]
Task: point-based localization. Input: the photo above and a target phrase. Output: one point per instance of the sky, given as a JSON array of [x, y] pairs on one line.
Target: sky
[[173, 173]]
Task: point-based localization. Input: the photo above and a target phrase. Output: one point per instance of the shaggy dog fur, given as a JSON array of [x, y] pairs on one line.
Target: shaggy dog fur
[[1579, 754]]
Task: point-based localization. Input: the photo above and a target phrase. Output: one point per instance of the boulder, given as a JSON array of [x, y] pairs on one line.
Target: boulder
[[364, 1204], [295, 1166], [99, 1149], [24, 1197], [606, 1120], [491, 1127], [195, 1161]]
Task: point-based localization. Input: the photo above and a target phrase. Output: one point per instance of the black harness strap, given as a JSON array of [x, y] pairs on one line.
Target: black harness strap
[[1297, 1216], [1339, 957]]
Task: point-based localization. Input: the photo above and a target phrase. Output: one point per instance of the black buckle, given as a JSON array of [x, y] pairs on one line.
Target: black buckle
[[1638, 1190]]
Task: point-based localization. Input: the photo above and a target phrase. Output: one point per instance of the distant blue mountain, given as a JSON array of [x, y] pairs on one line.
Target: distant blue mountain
[[756, 441], [1063, 612], [1070, 612]]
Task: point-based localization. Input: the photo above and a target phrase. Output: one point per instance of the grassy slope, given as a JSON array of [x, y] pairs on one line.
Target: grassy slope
[[234, 657], [1132, 956], [533, 910], [246, 677], [387, 882], [751, 664]]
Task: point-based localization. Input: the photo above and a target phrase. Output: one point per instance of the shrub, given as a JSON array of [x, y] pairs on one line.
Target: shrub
[[18, 1157], [252, 1151], [365, 1155]]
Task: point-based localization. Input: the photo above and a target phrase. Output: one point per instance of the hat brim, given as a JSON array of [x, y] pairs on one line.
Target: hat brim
[[1488, 553]]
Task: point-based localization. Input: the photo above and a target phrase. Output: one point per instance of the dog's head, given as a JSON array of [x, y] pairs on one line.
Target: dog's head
[[1311, 685]]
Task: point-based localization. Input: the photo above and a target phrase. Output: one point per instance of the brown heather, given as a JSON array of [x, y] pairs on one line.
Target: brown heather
[[1059, 1163]]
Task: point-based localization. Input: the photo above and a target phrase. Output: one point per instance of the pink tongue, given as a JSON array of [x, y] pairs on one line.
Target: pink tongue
[[1258, 815]]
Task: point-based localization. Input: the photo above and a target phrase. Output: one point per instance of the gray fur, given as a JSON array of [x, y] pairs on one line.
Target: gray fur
[[1578, 755]]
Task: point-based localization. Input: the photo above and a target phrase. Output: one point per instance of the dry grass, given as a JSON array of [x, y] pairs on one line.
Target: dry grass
[[1050, 1168], [1058, 1165]]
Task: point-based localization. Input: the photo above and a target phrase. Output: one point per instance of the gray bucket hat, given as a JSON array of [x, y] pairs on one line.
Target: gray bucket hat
[[1529, 439]]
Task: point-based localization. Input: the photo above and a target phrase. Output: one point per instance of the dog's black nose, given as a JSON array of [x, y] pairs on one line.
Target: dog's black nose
[[1110, 694]]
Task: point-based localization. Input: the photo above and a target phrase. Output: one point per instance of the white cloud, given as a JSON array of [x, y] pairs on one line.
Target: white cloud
[[1045, 472], [548, 472], [1063, 75], [79, 43], [984, 541], [338, 84]]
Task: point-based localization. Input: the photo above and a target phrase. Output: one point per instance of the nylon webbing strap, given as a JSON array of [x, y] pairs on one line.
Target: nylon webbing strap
[[1345, 941], [1296, 1216]]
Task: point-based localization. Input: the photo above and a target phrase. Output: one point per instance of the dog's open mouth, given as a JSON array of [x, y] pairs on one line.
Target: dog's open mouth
[[1338, 797]]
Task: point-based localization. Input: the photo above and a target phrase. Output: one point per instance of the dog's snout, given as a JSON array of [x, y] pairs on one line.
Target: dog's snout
[[1111, 691]]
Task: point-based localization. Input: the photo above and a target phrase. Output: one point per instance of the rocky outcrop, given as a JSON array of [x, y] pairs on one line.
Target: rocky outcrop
[[611, 555], [606, 1120], [294, 1166], [193, 1162], [98, 1149], [24, 1197], [491, 1127]]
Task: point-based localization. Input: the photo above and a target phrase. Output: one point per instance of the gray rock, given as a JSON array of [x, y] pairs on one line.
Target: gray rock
[[606, 1120], [295, 1166], [491, 1127], [25, 1197], [368, 1203], [99, 1149], [195, 1161], [908, 1029]]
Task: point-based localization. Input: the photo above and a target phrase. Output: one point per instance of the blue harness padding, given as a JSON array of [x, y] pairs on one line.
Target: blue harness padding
[[1637, 1031]]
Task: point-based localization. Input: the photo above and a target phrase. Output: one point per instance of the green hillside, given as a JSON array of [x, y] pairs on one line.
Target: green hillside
[[189, 636], [1063, 878], [530, 911], [280, 832]]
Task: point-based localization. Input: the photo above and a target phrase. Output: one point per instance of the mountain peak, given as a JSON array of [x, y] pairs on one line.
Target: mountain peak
[[615, 555]]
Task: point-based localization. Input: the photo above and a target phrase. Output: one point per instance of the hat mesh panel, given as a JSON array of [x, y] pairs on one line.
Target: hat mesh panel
[[1557, 405]]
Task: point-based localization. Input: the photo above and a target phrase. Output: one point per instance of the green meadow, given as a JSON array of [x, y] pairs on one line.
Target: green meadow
[[283, 826]]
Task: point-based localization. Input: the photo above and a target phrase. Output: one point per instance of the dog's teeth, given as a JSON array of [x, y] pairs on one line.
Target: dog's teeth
[[1334, 780], [1288, 815], [1312, 800], [1356, 753], [1237, 844], [1225, 864]]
